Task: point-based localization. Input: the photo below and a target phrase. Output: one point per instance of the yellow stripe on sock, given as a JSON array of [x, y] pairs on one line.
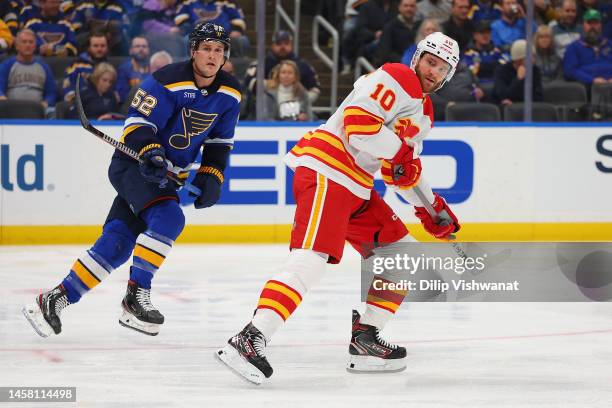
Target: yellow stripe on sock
[[148, 255], [276, 306]]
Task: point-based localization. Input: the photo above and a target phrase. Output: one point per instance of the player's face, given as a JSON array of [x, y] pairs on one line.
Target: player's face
[[208, 57], [431, 71]]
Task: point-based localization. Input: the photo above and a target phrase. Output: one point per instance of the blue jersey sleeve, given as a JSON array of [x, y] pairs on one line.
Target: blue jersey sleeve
[[5, 68], [50, 91], [150, 110]]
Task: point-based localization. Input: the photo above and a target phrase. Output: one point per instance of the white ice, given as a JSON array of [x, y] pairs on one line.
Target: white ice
[[460, 354]]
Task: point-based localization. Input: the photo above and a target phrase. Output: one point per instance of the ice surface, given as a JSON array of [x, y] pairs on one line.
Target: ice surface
[[459, 354]]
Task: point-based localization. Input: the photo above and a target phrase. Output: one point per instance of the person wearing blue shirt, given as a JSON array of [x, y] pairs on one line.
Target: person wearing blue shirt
[[54, 35], [482, 10], [133, 71], [511, 26], [181, 110], [26, 77], [589, 59], [97, 51], [482, 56]]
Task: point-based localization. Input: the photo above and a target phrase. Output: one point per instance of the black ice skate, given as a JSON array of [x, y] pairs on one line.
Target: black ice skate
[[244, 354], [44, 314], [138, 312], [369, 353]]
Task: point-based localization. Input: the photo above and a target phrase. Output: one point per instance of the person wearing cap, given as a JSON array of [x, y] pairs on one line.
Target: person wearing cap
[[510, 77], [482, 56], [589, 59], [399, 33], [566, 29], [459, 26], [511, 26], [282, 49]]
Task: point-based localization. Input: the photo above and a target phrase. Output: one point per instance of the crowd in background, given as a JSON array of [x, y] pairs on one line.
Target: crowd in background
[[115, 44]]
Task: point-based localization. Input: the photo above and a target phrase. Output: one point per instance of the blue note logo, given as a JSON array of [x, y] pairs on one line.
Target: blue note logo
[[194, 123], [14, 171]]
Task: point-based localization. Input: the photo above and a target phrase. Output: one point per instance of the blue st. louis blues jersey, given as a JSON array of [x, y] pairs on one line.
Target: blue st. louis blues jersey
[[171, 110]]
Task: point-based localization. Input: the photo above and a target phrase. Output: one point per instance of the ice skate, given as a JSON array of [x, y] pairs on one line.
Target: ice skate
[[244, 355], [138, 312], [44, 314], [369, 353]]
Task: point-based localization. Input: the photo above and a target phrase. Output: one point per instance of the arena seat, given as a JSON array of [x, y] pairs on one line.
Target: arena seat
[[540, 112], [16, 109], [472, 112]]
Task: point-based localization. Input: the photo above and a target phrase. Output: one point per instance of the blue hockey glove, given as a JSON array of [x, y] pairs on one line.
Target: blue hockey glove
[[209, 180], [153, 163]]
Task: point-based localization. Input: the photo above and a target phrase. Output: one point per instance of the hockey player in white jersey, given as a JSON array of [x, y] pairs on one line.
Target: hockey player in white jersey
[[380, 125]]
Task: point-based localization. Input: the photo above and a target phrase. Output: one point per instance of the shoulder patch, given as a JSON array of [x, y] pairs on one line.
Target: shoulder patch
[[406, 77]]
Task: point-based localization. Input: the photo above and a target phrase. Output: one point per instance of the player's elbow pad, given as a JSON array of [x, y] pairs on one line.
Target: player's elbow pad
[[140, 137]]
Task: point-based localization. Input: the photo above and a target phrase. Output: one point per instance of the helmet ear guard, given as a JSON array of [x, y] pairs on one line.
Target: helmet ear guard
[[204, 31], [442, 46]]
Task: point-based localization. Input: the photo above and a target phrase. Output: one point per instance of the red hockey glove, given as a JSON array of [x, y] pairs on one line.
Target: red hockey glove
[[446, 224], [402, 170]]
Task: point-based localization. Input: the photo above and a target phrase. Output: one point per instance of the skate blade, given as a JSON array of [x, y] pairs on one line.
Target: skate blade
[[238, 365], [131, 322], [34, 315], [374, 365]]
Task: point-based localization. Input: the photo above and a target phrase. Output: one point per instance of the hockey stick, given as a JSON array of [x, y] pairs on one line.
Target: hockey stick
[[439, 218], [120, 146]]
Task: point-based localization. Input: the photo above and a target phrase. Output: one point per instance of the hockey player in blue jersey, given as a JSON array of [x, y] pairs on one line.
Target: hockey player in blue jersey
[[182, 108]]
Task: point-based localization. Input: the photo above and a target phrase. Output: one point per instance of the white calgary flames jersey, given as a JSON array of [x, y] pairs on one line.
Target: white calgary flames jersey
[[349, 147]]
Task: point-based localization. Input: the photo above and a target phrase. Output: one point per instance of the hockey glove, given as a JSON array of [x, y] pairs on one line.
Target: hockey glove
[[209, 180], [153, 163], [402, 170], [446, 224]]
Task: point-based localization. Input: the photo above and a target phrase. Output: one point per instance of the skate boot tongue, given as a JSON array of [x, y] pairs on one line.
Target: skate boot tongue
[[382, 341]]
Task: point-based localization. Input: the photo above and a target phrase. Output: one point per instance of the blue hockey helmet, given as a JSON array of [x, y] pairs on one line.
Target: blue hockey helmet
[[204, 31]]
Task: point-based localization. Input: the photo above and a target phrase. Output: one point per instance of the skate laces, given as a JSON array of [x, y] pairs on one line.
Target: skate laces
[[61, 303], [384, 342], [259, 344], [143, 296]]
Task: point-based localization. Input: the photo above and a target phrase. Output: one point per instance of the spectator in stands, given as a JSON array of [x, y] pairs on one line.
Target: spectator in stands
[[286, 97], [427, 27], [372, 18], [510, 77], [589, 59], [546, 57], [132, 72], [25, 77], [511, 26], [102, 16], [544, 12], [9, 13], [399, 33], [487, 10], [159, 60], [157, 16], [97, 52], [282, 49], [348, 51], [459, 27], [463, 87], [439, 10], [99, 100], [54, 35], [224, 13], [566, 29], [482, 57], [6, 38]]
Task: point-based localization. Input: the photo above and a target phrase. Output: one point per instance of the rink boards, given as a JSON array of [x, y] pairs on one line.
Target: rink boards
[[505, 182]]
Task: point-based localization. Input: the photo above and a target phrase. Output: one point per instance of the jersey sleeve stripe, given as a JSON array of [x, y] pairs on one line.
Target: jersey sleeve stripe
[[180, 86], [358, 121], [127, 131], [231, 92], [138, 120]]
